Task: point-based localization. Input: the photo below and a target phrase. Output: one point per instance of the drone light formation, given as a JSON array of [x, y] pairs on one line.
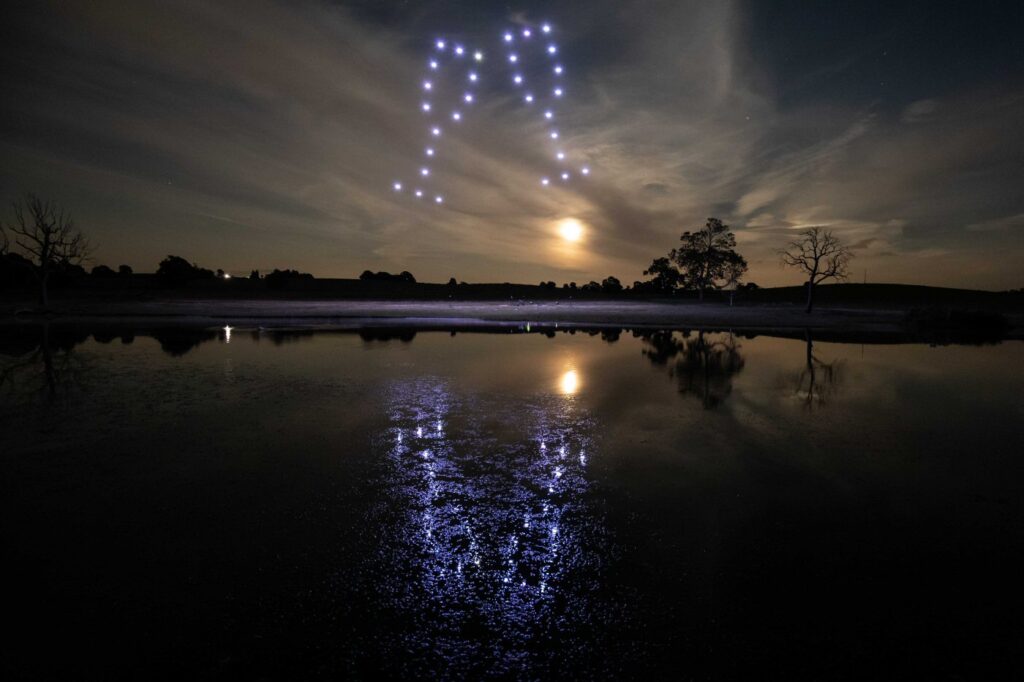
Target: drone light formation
[[446, 62]]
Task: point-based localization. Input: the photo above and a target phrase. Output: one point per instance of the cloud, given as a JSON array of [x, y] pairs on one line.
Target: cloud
[[266, 134], [919, 111], [1011, 222]]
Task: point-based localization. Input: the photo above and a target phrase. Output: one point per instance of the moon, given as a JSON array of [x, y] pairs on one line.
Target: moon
[[570, 229]]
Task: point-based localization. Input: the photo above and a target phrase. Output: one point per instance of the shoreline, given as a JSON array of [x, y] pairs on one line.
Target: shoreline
[[478, 315]]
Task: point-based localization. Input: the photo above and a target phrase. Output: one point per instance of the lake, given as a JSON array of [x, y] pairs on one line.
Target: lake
[[507, 502]]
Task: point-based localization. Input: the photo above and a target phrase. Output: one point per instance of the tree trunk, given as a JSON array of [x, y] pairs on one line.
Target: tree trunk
[[44, 297], [700, 293], [810, 296]]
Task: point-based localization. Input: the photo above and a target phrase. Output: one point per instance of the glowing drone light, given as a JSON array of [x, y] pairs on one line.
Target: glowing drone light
[[471, 94]]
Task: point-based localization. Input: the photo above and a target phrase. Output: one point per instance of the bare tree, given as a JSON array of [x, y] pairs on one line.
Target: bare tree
[[820, 255], [47, 235]]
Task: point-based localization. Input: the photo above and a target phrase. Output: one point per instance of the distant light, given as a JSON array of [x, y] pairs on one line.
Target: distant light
[[518, 79], [433, 64], [552, 49], [427, 85], [560, 156], [558, 70], [548, 115], [554, 134], [528, 98], [435, 131], [558, 92], [472, 76], [545, 182], [526, 33], [456, 116], [419, 193], [438, 199], [565, 176], [227, 334], [430, 151], [440, 44], [424, 171], [468, 97], [397, 186], [426, 106], [513, 58], [508, 37], [459, 50], [546, 28], [585, 170], [227, 276], [478, 55]]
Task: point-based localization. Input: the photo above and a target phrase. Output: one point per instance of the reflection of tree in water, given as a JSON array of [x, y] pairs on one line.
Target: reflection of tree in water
[[490, 549], [817, 382], [39, 361], [703, 365]]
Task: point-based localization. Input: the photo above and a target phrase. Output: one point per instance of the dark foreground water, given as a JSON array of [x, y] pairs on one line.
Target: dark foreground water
[[292, 505]]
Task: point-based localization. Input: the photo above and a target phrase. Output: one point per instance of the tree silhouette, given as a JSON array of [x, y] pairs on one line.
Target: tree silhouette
[[703, 366], [820, 255], [47, 236], [817, 381], [707, 258]]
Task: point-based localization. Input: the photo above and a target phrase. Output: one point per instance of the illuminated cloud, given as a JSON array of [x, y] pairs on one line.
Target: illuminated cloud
[[283, 151]]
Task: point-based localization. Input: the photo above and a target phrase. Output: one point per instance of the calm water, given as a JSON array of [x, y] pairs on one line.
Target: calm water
[[287, 505]]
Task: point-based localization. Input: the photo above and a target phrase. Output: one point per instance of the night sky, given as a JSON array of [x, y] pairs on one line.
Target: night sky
[[268, 134]]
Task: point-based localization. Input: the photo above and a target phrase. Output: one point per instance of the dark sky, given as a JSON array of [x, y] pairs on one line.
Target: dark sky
[[265, 134]]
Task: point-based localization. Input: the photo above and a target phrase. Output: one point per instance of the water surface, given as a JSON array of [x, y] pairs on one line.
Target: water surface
[[610, 504]]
